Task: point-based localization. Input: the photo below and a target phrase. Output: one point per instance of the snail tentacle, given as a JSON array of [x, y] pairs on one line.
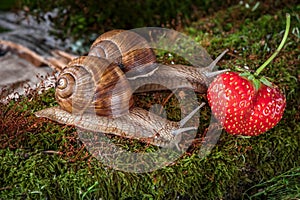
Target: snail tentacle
[[190, 115], [215, 73], [214, 63]]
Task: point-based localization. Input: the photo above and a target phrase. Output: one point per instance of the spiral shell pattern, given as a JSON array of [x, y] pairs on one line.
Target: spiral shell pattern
[[94, 85], [128, 49]]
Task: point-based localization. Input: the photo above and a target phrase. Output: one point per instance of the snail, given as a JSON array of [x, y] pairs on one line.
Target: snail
[[95, 95], [94, 92], [133, 54]]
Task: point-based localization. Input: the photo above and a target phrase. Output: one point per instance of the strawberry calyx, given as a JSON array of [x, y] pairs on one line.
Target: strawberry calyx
[[250, 77], [254, 78]]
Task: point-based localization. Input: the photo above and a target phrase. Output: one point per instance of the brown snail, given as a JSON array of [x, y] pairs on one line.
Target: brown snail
[[95, 92], [132, 53], [95, 95]]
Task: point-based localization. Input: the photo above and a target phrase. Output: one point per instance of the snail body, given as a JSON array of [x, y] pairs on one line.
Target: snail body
[[138, 124]]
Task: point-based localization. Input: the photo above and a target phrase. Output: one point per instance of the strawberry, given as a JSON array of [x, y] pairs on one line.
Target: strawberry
[[241, 108], [244, 103]]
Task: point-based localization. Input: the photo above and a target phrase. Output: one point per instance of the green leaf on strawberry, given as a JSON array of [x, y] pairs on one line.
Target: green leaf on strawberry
[[244, 103]]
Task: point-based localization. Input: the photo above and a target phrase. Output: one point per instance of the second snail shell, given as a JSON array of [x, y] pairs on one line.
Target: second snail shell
[[127, 49]]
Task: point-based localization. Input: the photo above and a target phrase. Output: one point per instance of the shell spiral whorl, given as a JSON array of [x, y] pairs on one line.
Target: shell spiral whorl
[[127, 49], [91, 84]]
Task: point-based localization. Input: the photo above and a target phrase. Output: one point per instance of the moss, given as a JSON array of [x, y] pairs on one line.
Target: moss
[[83, 17], [40, 159], [283, 186], [7, 5]]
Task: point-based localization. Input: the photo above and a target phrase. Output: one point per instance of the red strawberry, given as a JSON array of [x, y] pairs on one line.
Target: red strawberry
[[267, 110], [241, 108], [244, 104]]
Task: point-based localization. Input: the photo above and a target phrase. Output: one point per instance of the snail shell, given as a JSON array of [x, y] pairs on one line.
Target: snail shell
[[93, 85], [127, 49]]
